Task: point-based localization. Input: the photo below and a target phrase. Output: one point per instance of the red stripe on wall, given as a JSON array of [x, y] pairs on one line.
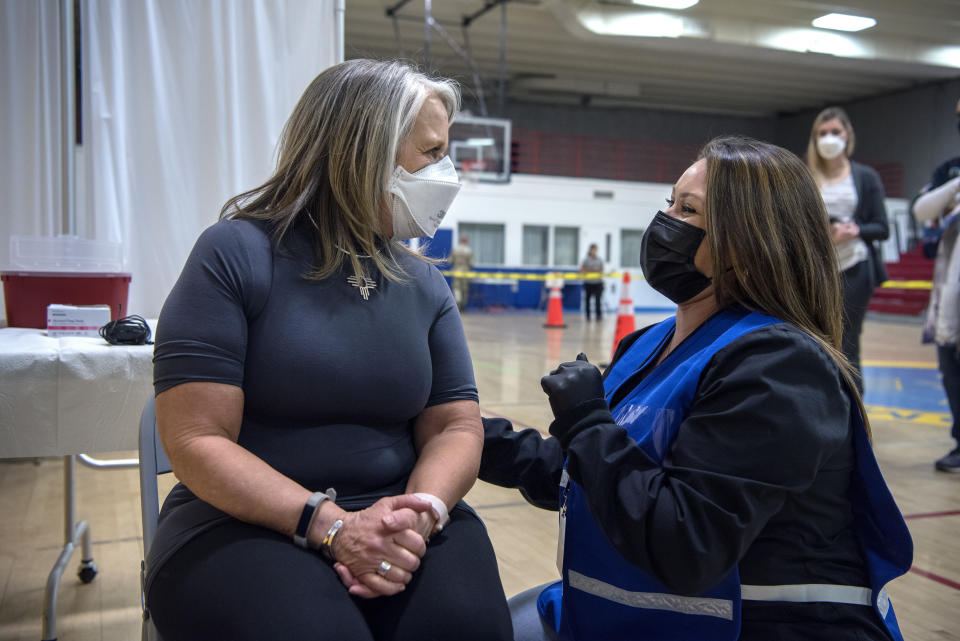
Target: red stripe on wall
[[563, 154]]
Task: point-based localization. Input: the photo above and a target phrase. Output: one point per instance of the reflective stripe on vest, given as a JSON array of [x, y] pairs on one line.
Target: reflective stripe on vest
[[808, 593], [721, 608]]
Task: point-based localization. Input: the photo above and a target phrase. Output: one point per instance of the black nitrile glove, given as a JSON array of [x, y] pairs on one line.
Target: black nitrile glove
[[574, 389]]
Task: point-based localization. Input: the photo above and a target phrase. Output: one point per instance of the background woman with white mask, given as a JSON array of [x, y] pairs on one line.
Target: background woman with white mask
[[316, 396], [853, 195]]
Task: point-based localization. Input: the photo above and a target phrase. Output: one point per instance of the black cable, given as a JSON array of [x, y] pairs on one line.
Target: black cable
[[129, 330]]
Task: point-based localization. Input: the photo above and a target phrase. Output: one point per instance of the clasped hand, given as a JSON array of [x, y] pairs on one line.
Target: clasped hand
[[395, 529], [844, 232]]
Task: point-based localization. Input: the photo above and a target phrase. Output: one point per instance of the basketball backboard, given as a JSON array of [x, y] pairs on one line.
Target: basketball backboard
[[480, 148]]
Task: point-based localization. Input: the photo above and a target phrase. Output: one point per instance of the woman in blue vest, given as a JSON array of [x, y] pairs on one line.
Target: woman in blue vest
[[717, 482]]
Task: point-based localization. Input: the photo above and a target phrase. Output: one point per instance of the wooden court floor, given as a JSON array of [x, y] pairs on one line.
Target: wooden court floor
[[511, 352]]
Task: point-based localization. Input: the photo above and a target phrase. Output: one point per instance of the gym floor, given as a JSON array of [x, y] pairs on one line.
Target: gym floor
[[511, 351]]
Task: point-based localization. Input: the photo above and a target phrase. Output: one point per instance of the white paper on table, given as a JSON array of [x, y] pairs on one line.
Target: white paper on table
[[69, 395]]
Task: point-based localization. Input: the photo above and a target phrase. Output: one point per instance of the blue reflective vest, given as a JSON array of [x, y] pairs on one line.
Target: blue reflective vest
[[603, 596]]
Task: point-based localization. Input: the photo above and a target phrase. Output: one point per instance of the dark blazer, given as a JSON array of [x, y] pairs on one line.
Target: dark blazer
[[871, 215]]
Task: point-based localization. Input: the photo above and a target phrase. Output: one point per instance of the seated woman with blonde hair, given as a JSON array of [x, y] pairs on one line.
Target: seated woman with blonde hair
[[315, 394]]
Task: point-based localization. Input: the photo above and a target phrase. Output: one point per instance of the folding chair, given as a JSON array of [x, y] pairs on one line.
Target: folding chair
[[153, 461]]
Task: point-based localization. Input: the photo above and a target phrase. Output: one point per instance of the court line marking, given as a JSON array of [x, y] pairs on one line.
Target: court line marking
[[936, 577], [880, 412], [928, 515], [901, 364]]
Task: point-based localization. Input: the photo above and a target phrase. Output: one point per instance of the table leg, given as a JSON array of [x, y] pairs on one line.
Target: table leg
[[71, 533]]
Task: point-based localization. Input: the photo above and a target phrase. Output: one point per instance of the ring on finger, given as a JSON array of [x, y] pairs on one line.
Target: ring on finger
[[384, 567]]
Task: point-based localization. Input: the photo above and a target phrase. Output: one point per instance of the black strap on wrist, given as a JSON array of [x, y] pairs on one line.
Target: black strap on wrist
[[309, 510]]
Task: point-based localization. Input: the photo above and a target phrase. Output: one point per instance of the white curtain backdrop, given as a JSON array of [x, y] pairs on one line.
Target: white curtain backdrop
[[183, 104], [30, 126]]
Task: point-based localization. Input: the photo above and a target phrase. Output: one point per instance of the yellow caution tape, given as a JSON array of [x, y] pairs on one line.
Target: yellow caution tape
[[890, 284], [527, 276]]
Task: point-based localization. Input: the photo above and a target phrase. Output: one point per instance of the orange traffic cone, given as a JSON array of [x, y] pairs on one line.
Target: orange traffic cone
[[626, 323], [555, 304]]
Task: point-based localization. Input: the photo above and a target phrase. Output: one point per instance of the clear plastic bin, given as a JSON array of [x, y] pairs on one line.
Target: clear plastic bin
[[62, 269], [65, 254]]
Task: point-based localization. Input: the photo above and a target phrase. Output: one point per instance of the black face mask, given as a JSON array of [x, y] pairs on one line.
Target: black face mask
[[666, 257]]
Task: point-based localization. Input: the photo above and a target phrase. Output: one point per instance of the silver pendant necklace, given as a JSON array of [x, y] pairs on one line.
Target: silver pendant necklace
[[364, 284]]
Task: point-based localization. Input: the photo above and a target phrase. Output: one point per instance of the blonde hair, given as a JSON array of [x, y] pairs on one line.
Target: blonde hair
[[768, 233], [815, 161], [337, 153]]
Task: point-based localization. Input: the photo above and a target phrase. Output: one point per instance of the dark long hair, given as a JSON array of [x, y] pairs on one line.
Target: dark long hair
[[769, 235]]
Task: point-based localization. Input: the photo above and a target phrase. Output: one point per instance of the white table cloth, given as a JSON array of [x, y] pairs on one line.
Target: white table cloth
[[62, 396]]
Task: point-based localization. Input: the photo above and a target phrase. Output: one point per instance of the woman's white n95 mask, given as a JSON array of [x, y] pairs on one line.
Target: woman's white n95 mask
[[421, 199]]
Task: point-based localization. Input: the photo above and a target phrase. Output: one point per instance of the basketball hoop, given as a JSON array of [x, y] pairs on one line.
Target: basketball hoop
[[470, 170]]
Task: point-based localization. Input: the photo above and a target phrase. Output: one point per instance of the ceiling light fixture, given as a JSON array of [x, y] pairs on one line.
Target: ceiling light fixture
[[842, 22], [814, 41], [646, 24], [945, 56], [667, 4]]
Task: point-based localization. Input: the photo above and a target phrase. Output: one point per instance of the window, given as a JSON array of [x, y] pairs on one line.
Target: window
[[535, 245], [486, 241], [566, 246], [630, 240]]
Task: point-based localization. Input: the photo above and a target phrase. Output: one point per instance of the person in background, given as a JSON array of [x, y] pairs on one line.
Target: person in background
[[593, 287], [718, 481], [853, 195], [305, 347], [461, 260], [939, 200]]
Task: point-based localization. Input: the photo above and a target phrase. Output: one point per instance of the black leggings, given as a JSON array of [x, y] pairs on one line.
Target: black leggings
[[950, 369], [857, 291], [240, 581]]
